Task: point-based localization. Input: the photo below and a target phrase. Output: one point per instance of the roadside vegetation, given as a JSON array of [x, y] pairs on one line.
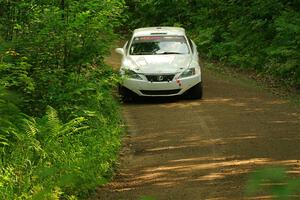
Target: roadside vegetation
[[59, 125]]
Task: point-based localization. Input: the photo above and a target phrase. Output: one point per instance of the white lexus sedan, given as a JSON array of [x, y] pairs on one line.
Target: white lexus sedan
[[160, 61]]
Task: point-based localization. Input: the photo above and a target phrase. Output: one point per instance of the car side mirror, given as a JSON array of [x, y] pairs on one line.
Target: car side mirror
[[120, 51]]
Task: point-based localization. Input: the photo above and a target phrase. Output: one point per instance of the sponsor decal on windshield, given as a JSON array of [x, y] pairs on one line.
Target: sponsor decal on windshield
[[160, 38], [148, 38]]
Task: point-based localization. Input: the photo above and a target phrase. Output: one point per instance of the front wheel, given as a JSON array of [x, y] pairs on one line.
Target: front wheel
[[196, 92], [125, 94]]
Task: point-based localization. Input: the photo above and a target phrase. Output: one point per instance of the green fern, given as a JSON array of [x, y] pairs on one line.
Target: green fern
[[51, 128], [53, 124]]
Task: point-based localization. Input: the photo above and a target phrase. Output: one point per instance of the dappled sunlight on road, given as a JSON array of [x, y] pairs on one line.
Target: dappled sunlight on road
[[225, 147], [197, 171], [205, 149], [265, 197], [277, 102]]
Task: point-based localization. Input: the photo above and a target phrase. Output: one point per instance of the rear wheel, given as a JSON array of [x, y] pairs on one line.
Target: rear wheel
[[196, 92]]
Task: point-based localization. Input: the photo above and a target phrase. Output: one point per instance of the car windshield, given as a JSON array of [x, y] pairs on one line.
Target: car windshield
[[158, 45]]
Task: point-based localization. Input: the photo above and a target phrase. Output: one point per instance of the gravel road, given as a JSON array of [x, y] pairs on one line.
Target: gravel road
[[179, 149]]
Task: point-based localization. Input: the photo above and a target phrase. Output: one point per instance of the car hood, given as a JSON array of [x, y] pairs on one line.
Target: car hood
[[159, 64]]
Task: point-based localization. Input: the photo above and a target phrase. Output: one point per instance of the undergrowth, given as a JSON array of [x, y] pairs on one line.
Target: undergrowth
[[46, 158], [59, 124]]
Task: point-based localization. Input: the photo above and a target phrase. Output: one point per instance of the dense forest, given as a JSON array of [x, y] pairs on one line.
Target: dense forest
[[59, 124]]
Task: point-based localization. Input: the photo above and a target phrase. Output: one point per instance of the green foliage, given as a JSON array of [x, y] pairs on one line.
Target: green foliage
[[275, 181], [167, 12], [45, 157], [14, 72], [60, 127], [262, 35], [45, 41]]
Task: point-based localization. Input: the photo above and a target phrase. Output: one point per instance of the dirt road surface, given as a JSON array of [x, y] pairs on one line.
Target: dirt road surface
[[179, 149]]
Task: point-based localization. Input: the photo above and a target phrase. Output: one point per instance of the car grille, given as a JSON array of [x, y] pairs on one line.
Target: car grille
[[160, 92], [160, 78]]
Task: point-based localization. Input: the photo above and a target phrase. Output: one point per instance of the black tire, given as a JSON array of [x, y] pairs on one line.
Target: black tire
[[125, 94], [196, 92]]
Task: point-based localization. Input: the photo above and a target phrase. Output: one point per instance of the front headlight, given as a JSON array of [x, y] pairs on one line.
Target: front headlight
[[131, 74], [188, 72]]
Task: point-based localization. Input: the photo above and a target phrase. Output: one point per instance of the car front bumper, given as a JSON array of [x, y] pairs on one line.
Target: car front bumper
[[171, 88]]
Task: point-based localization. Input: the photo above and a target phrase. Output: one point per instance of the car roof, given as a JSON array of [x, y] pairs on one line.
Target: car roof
[[148, 31]]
